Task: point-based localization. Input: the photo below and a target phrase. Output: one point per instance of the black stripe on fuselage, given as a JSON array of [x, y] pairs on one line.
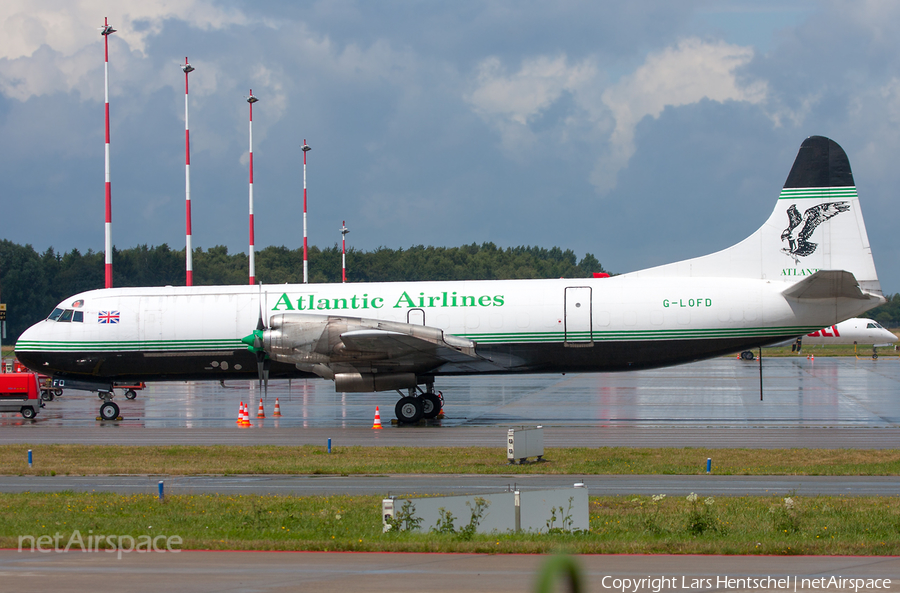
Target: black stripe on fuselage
[[242, 364]]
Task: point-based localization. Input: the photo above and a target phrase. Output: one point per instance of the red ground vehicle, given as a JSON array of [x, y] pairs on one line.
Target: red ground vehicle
[[48, 392], [131, 389], [20, 392]]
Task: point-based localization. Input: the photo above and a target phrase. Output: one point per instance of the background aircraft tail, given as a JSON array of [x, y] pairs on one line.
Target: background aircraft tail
[[817, 225]]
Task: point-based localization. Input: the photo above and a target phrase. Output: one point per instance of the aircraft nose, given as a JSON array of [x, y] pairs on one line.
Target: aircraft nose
[[28, 350]]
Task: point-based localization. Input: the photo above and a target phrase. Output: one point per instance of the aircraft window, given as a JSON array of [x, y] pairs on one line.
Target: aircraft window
[[66, 315], [78, 317], [871, 326], [55, 314]]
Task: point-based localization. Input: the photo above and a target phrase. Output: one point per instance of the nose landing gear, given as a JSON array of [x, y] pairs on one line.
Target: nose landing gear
[[109, 410]]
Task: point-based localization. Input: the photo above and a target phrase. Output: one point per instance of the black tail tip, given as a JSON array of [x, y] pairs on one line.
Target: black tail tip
[[821, 162]]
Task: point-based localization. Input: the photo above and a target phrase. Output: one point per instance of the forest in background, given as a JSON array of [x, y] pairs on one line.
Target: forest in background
[[32, 283]]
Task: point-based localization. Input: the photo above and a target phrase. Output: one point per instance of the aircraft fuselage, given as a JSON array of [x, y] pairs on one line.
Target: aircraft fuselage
[[567, 325]]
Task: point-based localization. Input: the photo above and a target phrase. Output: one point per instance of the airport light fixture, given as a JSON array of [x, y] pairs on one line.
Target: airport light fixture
[[106, 30], [344, 231], [188, 249], [305, 148], [251, 100]]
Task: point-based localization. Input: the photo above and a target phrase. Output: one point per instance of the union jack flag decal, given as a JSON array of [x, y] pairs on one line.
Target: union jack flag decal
[[108, 317]]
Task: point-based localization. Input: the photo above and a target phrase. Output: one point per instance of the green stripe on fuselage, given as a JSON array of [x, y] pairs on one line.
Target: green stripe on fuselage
[[483, 338], [130, 345]]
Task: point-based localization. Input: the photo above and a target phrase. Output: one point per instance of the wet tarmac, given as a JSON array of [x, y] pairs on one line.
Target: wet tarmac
[[723, 392], [460, 484]]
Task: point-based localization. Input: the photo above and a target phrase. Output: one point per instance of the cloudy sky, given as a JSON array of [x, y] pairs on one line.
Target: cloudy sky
[[640, 131]]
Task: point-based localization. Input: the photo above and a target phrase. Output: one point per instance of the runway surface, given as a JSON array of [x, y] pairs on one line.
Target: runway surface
[[456, 484], [828, 402], [238, 572]]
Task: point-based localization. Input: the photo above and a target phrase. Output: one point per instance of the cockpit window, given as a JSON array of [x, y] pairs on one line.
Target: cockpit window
[[78, 317], [66, 315], [872, 326], [55, 314]]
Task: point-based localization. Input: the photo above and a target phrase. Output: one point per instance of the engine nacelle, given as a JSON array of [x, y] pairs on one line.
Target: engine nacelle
[[300, 338], [365, 382]]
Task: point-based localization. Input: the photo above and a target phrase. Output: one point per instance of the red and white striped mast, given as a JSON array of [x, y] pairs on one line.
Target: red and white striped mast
[[106, 31], [306, 148], [251, 100], [344, 231], [188, 249]]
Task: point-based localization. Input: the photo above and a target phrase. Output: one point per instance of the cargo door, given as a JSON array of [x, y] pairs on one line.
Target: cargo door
[[578, 317], [416, 317]]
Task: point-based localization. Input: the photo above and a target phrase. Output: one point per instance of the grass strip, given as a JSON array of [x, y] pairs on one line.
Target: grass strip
[[312, 459], [862, 351], [618, 524]]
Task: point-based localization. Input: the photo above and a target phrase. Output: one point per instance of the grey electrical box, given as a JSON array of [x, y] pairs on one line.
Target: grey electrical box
[[522, 443], [387, 514], [565, 509]]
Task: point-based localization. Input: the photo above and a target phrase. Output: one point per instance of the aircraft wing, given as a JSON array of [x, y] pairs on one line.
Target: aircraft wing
[[456, 355], [394, 344], [329, 345]]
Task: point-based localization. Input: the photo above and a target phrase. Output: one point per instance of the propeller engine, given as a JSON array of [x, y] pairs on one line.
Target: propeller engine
[[256, 345]]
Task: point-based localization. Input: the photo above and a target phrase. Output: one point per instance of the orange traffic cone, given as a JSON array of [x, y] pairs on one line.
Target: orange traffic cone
[[377, 423], [812, 357], [277, 412], [240, 419], [261, 413], [245, 416]]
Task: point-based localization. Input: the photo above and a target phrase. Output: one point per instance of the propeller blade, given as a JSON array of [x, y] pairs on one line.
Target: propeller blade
[[256, 345], [261, 324], [261, 358]]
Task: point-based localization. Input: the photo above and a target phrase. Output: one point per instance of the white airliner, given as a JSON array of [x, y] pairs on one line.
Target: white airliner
[[808, 267], [851, 331]]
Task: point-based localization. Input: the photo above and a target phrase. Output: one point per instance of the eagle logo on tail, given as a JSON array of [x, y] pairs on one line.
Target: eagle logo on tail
[[798, 245]]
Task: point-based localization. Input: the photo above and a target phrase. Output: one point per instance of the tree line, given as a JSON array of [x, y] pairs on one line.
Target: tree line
[[32, 283]]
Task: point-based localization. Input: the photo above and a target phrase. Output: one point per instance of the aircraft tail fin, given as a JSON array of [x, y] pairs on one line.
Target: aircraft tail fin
[[817, 225]]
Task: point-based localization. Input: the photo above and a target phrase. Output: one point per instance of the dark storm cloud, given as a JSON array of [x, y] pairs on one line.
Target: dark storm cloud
[[444, 124]]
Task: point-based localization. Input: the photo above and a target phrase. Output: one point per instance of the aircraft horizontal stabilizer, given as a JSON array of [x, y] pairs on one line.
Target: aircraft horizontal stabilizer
[[826, 284]]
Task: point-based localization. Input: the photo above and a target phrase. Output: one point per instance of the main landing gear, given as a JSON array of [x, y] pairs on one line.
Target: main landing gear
[[109, 410], [416, 406]]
